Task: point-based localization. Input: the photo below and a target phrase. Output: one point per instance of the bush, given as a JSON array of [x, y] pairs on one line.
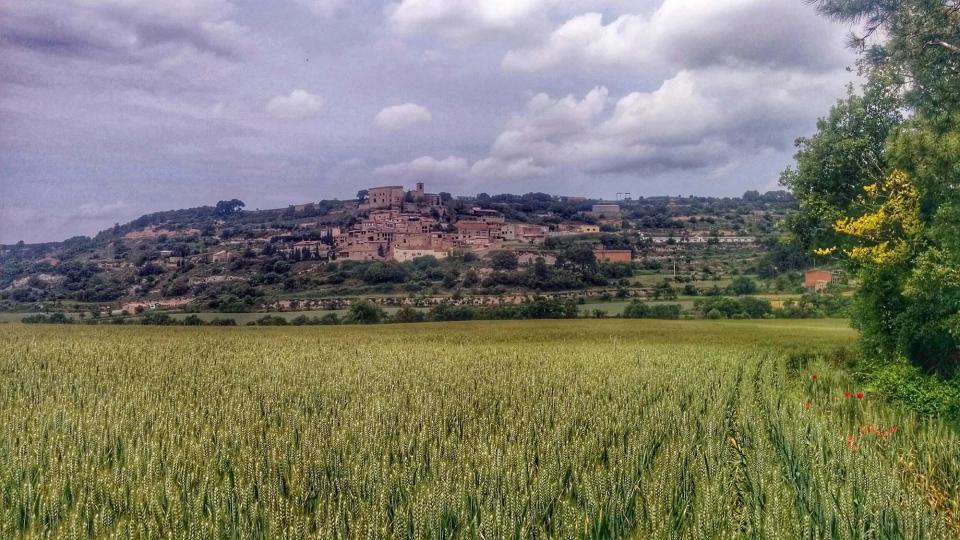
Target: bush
[[330, 318], [638, 309], [922, 392], [747, 307], [365, 313], [378, 273], [449, 312], [156, 318], [742, 286], [271, 320], [407, 314]]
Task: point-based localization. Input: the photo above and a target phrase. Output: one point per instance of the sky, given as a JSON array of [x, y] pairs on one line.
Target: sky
[[110, 109]]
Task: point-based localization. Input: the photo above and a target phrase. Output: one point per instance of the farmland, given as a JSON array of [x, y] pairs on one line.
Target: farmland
[[611, 428]]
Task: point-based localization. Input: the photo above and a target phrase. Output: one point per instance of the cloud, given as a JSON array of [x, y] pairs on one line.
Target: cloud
[[426, 168], [691, 33], [142, 31], [461, 20], [400, 117], [98, 211], [298, 104], [702, 121], [323, 8], [697, 120]]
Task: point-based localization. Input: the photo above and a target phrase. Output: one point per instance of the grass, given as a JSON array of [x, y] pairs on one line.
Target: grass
[[611, 428]]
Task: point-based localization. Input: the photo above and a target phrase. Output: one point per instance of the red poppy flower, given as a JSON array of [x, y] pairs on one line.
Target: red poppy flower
[[847, 394], [807, 405], [859, 395], [813, 377]]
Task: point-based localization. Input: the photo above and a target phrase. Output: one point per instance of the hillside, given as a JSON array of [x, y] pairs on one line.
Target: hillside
[[393, 243]]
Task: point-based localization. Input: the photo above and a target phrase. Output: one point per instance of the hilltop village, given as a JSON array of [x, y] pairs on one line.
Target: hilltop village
[[400, 225], [398, 246]]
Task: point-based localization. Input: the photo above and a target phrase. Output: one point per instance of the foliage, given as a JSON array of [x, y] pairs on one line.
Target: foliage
[[228, 208], [407, 314], [503, 260], [720, 307], [157, 318], [638, 309], [742, 285], [365, 313], [878, 187]]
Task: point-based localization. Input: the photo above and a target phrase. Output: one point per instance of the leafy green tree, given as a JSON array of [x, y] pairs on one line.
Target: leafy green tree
[[504, 260], [663, 291], [877, 185], [228, 208], [365, 312], [407, 314], [578, 257], [742, 285]]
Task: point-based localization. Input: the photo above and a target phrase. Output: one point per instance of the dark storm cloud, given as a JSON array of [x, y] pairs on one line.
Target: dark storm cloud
[[113, 30]]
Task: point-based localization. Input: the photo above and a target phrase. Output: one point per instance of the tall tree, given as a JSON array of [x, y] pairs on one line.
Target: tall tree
[[879, 184]]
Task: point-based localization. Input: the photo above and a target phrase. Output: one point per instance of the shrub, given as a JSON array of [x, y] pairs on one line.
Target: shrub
[[639, 309]]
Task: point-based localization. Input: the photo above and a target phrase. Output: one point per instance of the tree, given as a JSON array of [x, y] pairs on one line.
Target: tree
[[578, 257], [471, 278], [228, 208], [504, 260], [407, 314], [743, 285], [362, 195], [663, 291], [877, 185], [365, 312]]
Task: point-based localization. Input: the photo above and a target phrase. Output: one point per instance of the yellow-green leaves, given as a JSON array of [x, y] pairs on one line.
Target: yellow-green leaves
[[887, 232]]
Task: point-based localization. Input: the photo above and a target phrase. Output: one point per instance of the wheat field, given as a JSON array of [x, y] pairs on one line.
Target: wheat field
[[539, 429]]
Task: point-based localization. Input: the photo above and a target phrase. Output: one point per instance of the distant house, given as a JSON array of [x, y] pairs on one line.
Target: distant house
[[313, 249], [606, 211], [613, 255], [384, 197], [404, 255], [817, 280], [586, 229], [221, 257], [371, 251]]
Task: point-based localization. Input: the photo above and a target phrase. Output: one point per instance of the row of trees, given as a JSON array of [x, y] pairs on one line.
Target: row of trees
[[879, 183]]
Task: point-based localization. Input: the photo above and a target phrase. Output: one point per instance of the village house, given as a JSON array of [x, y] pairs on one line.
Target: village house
[[384, 197], [818, 280], [522, 232], [420, 197], [606, 211], [221, 256], [404, 255], [362, 252], [308, 249]]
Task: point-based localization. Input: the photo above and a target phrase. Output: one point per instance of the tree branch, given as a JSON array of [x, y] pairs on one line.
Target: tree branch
[[948, 46]]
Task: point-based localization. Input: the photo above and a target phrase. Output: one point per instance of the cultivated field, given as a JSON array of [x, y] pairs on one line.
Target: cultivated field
[[569, 429]]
